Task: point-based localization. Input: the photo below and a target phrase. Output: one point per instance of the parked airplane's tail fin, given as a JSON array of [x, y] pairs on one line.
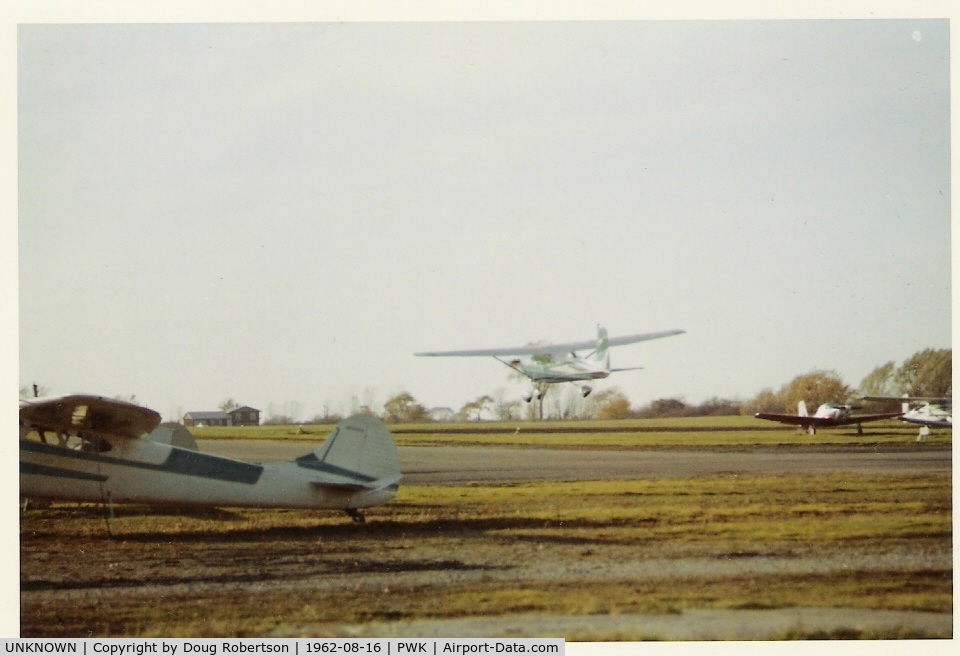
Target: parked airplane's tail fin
[[602, 352], [359, 453], [802, 409]]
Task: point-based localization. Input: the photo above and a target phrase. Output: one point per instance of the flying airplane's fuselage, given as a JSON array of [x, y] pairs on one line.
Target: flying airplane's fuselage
[[141, 471], [542, 368]]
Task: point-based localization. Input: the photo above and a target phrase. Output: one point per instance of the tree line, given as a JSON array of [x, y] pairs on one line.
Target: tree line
[[925, 373]]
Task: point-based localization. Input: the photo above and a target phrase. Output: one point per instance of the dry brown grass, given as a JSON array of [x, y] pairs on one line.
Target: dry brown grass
[[468, 551]]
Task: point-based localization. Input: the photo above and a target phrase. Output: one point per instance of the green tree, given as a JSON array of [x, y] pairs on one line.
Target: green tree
[[766, 401], [880, 381], [717, 407], [612, 404], [814, 388], [665, 408], [926, 373], [404, 408]]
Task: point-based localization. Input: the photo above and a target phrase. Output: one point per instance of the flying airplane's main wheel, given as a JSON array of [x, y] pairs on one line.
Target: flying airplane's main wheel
[[355, 516], [585, 390]]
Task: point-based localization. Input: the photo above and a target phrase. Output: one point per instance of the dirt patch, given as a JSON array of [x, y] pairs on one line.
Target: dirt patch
[[793, 623]]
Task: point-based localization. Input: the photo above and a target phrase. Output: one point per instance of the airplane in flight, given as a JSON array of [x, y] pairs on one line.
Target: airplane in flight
[[931, 411], [89, 448], [559, 363], [826, 416]]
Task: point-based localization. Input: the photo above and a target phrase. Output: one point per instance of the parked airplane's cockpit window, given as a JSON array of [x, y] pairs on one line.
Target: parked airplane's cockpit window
[[92, 444]]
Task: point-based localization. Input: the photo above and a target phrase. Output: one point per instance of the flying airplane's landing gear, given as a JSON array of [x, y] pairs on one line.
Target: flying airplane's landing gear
[[355, 516], [585, 390], [532, 394]]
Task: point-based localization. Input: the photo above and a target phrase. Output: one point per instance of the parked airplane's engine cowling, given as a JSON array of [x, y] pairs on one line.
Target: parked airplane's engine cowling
[[585, 390]]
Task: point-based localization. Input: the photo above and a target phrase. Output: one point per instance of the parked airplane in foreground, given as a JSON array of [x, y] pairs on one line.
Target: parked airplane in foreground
[[90, 448], [827, 415], [933, 411], [559, 363]]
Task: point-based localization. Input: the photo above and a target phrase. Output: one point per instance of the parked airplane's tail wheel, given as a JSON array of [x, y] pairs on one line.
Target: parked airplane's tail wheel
[[355, 516]]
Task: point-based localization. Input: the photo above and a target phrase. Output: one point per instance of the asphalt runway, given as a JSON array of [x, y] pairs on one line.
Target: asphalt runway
[[458, 465]]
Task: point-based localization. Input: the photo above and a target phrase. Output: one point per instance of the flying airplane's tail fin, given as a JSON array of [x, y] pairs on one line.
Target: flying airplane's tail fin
[[360, 452], [602, 352], [802, 409]]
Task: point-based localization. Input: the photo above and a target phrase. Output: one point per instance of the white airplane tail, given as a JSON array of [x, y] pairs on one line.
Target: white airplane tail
[[802, 409], [359, 452], [602, 352]]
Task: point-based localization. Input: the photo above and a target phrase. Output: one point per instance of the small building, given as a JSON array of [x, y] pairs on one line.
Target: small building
[[207, 419], [245, 416]]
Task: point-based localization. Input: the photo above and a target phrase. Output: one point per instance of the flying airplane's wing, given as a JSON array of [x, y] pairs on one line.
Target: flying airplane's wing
[[87, 413], [538, 349]]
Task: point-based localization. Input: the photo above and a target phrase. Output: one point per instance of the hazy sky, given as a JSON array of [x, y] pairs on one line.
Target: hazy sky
[[284, 213]]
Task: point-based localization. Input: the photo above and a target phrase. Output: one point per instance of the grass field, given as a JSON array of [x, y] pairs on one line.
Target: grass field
[[442, 552]]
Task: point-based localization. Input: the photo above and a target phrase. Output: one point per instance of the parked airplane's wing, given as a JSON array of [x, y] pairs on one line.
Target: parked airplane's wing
[[788, 419], [88, 413], [539, 349], [857, 419], [824, 422], [910, 399]]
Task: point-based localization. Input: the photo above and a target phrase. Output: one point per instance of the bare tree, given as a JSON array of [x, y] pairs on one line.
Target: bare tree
[[33, 391], [476, 407]]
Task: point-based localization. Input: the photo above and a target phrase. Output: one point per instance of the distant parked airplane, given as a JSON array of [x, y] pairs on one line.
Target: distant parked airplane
[[559, 363], [932, 411], [89, 448], [827, 415]]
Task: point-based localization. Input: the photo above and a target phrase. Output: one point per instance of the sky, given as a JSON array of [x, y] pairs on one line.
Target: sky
[[282, 214]]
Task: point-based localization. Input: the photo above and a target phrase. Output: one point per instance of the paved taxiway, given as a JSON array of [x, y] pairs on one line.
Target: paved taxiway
[[456, 465]]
